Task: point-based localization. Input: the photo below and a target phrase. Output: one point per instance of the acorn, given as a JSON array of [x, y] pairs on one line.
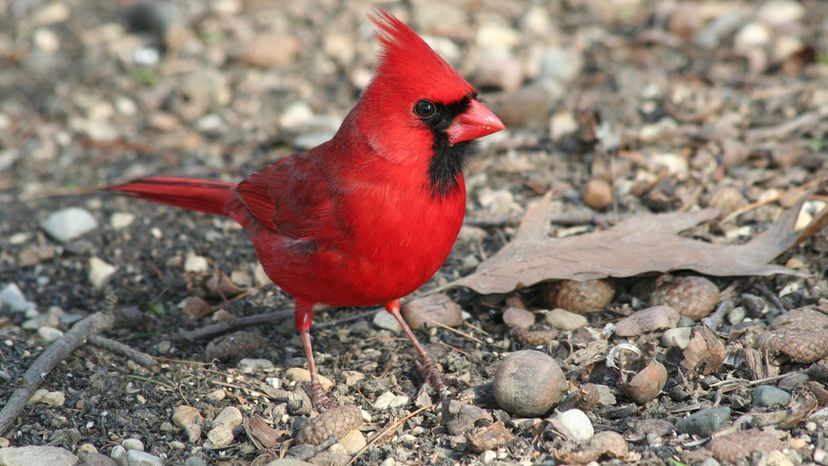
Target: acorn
[[597, 194], [647, 383], [584, 297], [694, 297]]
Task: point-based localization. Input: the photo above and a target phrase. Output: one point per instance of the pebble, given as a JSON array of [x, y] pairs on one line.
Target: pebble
[[352, 377], [121, 220], [220, 437], [780, 12], [705, 422], [766, 396], [249, 366], [309, 140], [565, 320], [736, 315], [528, 383], [389, 400], [133, 444], [195, 461], [270, 50], [577, 424], [433, 310], [37, 455], [490, 437], [560, 64], [301, 375], [195, 264], [196, 308], [142, 458], [750, 36], [353, 441], [384, 320], [119, 454], [820, 456], [516, 317], [495, 35], [709, 462], [99, 272], [296, 115], [676, 337], [597, 194], [12, 299], [54, 399], [488, 457], [216, 395], [68, 224], [647, 320], [498, 68], [49, 334], [189, 419], [229, 416]]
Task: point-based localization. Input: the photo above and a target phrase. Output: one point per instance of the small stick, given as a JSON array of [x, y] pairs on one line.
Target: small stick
[[48, 360], [221, 327], [390, 429], [770, 296], [121, 349], [714, 321], [266, 318]]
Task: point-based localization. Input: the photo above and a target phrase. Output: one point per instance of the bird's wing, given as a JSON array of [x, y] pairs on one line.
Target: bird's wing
[[290, 197]]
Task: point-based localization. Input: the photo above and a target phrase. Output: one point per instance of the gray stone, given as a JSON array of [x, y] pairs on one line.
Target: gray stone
[[142, 458], [384, 320], [195, 461], [12, 299], [49, 334], [68, 224], [119, 454], [36, 455], [705, 422], [133, 444], [765, 396], [249, 366]]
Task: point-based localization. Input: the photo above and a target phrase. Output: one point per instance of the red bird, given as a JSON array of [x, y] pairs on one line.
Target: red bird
[[370, 215]]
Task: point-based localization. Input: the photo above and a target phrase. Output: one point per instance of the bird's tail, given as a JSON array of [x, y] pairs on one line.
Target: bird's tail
[[207, 196]]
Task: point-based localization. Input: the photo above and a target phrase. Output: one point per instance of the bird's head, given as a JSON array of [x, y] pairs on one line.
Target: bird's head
[[418, 109]]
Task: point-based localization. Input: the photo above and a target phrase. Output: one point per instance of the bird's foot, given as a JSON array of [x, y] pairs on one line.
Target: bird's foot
[[319, 397], [433, 376]]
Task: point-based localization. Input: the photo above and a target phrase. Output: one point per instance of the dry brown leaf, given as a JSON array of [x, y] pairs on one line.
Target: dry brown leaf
[[804, 403], [647, 320], [260, 432], [641, 244]]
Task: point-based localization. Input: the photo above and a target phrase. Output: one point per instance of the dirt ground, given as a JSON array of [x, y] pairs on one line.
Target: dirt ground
[[673, 105]]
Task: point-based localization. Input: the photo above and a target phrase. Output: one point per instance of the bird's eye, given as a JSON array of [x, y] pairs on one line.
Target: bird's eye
[[425, 109]]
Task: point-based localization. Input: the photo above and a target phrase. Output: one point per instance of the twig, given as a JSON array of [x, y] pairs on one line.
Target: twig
[[390, 429], [584, 217], [714, 321], [221, 327], [491, 222], [770, 296], [122, 350], [266, 318], [787, 128], [48, 360]]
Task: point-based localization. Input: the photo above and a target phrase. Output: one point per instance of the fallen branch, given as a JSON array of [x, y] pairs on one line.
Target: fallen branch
[[266, 318], [121, 349], [48, 360], [227, 325]]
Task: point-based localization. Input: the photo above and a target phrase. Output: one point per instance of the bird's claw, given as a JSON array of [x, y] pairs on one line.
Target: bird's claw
[[319, 397]]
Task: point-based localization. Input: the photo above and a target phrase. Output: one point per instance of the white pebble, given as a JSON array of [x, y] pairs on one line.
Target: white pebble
[[195, 263], [577, 423], [49, 334], [12, 299], [68, 224], [99, 272]]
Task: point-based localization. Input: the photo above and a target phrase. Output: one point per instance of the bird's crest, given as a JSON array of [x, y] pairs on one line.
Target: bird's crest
[[407, 59]]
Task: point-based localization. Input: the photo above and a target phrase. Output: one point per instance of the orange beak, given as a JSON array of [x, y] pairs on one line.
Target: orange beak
[[477, 121]]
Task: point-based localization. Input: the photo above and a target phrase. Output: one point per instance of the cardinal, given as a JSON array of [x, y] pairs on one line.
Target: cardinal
[[369, 216]]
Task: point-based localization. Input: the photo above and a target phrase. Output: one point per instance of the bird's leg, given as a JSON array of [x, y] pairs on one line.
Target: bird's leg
[[428, 369], [303, 317]]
